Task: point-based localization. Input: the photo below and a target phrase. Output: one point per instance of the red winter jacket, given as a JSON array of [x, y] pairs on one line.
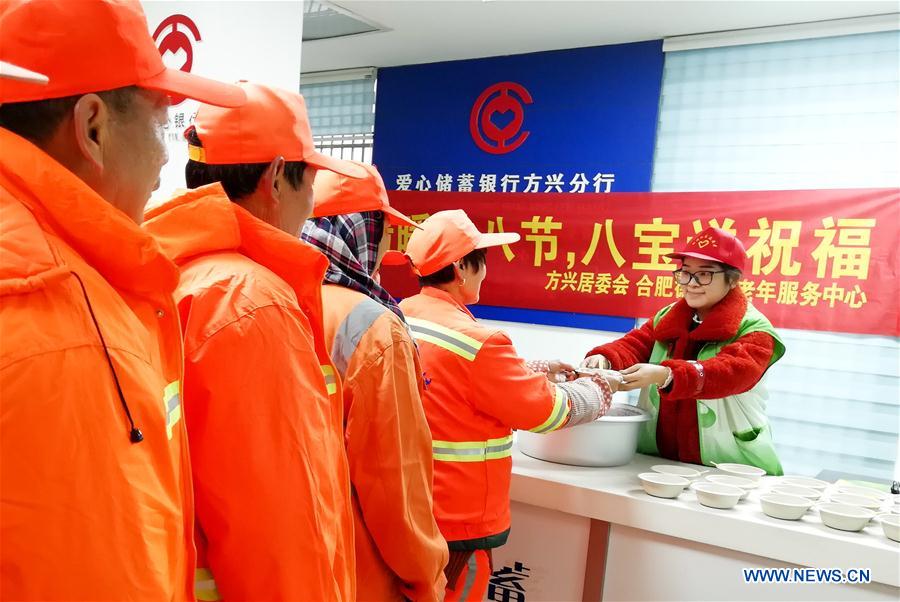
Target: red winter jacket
[[736, 369]]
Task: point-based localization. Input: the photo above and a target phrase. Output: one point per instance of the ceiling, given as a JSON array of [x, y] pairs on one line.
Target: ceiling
[[426, 31]]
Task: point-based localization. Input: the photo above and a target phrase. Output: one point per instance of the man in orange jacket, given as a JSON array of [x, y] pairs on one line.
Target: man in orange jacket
[[399, 550], [95, 491], [479, 391], [270, 473]]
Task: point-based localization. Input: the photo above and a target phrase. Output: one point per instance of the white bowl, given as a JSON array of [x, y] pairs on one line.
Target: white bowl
[[804, 482], [845, 517], [807, 492], [609, 441], [740, 482], [866, 491], [727, 479], [716, 495], [856, 500], [890, 524], [784, 506], [679, 471], [658, 484], [742, 470]]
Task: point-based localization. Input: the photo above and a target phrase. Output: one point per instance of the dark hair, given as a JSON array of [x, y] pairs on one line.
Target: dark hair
[[38, 120], [732, 275], [238, 179], [475, 259]]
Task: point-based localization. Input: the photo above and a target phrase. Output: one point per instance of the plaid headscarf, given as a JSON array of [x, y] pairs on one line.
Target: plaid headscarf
[[350, 242]]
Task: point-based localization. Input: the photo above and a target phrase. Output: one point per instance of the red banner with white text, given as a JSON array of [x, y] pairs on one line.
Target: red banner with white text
[[819, 259]]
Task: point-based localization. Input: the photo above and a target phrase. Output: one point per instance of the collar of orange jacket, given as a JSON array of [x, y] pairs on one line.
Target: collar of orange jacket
[[436, 293], [126, 256], [204, 220]]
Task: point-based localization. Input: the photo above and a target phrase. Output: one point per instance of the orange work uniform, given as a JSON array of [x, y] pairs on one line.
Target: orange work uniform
[[88, 336], [262, 405], [399, 549], [479, 391]]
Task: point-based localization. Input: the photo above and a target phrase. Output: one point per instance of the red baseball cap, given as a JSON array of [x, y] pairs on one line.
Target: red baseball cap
[[337, 194], [443, 238], [715, 244], [91, 46], [273, 123], [14, 72]]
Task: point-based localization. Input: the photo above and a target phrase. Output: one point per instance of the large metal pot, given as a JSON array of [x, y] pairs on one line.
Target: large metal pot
[[609, 441]]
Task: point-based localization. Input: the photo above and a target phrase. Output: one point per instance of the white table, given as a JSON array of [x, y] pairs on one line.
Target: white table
[[597, 523]]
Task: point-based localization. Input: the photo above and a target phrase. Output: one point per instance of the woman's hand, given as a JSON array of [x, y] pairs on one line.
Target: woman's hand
[[643, 375], [595, 361], [613, 379], [560, 371]]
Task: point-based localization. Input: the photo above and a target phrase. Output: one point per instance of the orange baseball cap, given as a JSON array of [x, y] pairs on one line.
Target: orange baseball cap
[[10, 71], [273, 123], [91, 46], [336, 194], [443, 238]]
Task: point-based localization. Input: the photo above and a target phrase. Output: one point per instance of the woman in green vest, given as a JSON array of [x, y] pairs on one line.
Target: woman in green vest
[[699, 363]]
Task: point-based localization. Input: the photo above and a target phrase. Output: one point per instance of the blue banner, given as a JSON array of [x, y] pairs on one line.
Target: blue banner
[[572, 121]]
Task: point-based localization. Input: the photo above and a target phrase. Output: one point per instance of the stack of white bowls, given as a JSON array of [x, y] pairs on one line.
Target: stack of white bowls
[[843, 507]]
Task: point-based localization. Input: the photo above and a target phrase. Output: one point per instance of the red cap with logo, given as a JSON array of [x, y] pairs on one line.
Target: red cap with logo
[[273, 123], [715, 244], [337, 194], [92, 46], [443, 238]]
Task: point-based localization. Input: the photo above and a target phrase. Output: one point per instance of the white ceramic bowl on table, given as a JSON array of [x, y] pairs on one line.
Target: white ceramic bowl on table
[[609, 441], [716, 495], [845, 517], [866, 491], [856, 500], [727, 479], [742, 470], [804, 482], [890, 524], [679, 471], [659, 484], [807, 492], [784, 506]]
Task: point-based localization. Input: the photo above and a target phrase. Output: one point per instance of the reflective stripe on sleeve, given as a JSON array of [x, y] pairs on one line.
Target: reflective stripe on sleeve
[[557, 415], [451, 340]]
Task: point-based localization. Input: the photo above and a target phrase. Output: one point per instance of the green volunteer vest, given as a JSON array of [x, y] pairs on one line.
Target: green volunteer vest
[[734, 428]]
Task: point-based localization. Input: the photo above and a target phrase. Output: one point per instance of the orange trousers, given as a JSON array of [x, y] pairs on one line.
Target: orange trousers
[[467, 576]]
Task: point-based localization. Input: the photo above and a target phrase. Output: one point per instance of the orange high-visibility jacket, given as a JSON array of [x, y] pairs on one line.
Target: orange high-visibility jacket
[[270, 473], [399, 549], [478, 390], [85, 514]]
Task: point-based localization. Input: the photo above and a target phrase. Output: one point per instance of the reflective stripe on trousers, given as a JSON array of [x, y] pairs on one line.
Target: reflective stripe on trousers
[[472, 582], [455, 342], [205, 586], [472, 451]]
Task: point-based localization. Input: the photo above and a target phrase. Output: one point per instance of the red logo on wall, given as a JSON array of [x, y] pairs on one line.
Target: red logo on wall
[[497, 118], [176, 40]]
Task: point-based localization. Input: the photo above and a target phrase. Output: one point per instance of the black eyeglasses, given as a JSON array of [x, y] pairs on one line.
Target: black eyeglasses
[[703, 278]]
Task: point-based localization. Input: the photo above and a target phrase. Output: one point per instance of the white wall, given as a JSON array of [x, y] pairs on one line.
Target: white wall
[[255, 40]]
